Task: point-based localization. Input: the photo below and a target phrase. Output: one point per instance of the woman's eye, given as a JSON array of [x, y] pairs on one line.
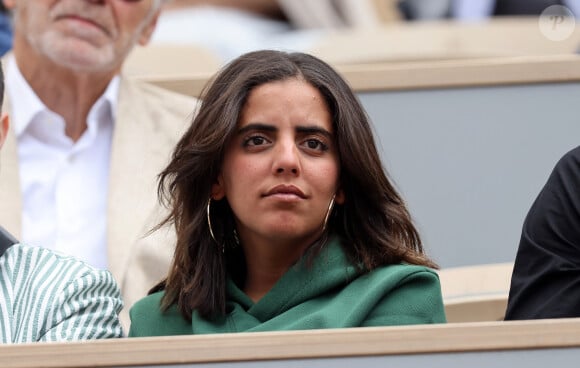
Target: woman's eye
[[315, 144], [255, 141]]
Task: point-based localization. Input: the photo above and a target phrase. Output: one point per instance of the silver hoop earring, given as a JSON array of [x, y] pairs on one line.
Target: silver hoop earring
[[209, 222], [236, 238], [328, 213]]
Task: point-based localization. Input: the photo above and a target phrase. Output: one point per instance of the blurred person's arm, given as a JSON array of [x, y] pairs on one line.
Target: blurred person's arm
[[546, 277]]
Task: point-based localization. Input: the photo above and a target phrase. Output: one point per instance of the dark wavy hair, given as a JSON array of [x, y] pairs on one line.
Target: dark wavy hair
[[373, 223]]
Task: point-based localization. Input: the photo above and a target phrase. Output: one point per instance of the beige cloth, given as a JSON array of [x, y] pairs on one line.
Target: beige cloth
[[332, 14], [149, 122]]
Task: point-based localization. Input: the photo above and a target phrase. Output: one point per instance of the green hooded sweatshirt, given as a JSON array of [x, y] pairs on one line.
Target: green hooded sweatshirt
[[329, 292]]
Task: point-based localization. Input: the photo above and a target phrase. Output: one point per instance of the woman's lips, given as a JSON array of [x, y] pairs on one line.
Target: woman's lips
[[285, 191]]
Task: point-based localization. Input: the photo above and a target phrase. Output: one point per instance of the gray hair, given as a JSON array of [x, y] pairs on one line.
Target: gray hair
[[155, 6]]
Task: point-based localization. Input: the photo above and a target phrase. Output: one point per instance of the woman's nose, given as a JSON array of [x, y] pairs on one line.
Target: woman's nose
[[286, 158]]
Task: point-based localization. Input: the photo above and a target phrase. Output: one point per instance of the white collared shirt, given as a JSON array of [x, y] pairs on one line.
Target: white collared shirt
[[64, 184]]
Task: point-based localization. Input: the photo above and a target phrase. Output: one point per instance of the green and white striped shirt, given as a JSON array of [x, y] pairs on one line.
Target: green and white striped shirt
[[45, 296]]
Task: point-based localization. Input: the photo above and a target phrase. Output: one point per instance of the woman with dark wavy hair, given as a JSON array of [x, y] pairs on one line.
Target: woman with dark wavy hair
[[285, 217]]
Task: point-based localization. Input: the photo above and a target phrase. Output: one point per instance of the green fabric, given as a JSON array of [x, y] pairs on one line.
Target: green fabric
[[329, 293]]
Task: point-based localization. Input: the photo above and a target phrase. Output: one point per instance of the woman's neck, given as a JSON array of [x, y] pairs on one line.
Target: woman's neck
[[266, 263]]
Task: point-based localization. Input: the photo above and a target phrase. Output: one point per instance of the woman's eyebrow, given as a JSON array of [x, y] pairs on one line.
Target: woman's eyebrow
[[310, 129], [313, 129], [257, 126]]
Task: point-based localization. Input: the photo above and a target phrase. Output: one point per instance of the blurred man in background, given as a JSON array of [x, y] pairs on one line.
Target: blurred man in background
[[80, 164]]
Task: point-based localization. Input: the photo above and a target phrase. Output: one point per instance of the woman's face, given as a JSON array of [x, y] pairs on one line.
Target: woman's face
[[281, 169]]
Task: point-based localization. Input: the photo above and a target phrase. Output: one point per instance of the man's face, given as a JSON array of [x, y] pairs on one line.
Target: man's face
[[84, 35]]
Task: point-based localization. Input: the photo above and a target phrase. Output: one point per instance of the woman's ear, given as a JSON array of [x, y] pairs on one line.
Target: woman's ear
[[339, 198], [217, 189]]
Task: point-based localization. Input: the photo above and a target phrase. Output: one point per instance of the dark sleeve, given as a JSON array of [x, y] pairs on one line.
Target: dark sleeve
[[546, 278]]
